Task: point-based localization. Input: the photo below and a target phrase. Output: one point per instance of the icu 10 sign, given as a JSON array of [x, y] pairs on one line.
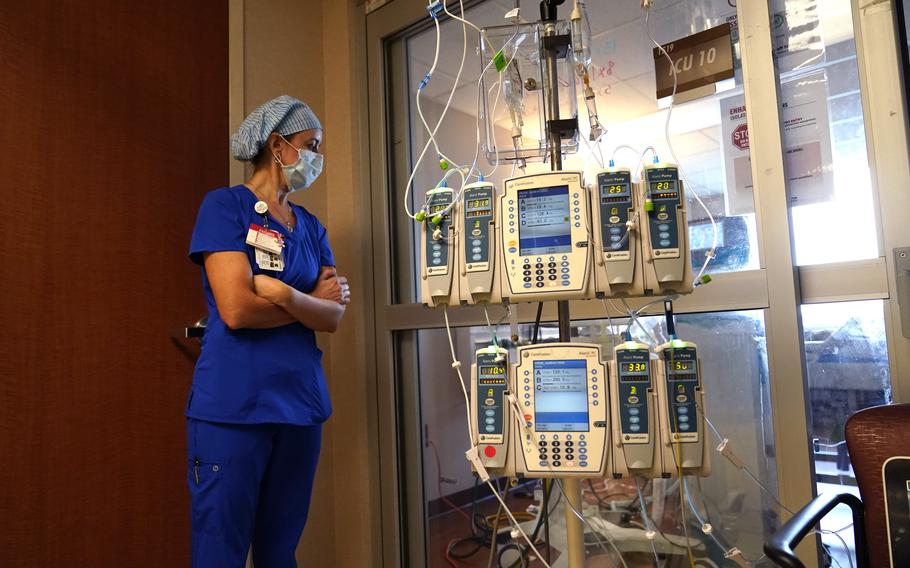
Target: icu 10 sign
[[701, 59]]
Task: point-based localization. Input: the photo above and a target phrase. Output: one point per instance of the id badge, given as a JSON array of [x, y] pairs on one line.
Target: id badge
[[264, 239], [269, 261]]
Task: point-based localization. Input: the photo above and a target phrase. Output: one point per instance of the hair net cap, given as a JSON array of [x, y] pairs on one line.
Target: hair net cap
[[284, 115]]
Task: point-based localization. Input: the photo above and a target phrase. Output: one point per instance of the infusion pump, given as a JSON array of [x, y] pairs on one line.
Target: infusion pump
[[544, 226], [634, 405], [548, 237], [681, 407], [665, 234], [557, 410], [477, 237], [438, 283], [490, 410], [617, 251], [563, 393]]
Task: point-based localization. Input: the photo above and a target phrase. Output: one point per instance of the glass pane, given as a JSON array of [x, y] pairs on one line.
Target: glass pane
[[906, 10], [847, 360], [734, 360], [624, 82], [903, 31], [823, 132]]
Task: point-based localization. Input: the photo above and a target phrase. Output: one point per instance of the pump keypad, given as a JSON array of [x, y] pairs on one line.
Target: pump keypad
[[556, 453], [546, 271]]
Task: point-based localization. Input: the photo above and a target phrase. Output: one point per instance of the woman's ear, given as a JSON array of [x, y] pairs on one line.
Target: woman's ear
[[273, 144]]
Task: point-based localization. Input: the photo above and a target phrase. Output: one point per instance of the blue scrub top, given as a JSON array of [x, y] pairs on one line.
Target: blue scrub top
[[254, 376]]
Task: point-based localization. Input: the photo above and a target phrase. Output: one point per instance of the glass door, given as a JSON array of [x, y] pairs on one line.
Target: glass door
[[801, 324]]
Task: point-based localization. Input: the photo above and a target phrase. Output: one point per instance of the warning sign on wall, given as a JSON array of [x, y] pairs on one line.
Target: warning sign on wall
[[806, 140]]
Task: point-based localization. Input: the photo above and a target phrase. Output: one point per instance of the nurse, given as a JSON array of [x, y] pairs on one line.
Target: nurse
[[259, 397]]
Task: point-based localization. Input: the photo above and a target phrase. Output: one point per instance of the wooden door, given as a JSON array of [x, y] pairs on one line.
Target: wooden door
[[113, 125]]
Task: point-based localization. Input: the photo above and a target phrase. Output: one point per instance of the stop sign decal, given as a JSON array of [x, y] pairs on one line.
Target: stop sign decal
[[741, 137]]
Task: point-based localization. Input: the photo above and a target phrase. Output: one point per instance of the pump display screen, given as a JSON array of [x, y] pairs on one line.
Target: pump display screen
[[681, 367], [609, 192], [544, 216], [561, 395], [663, 190], [495, 370], [634, 368]]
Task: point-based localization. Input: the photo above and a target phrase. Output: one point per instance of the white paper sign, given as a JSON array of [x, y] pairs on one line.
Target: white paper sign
[[796, 36], [806, 139], [796, 32]]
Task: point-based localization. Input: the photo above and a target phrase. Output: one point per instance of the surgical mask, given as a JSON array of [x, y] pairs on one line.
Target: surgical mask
[[302, 173]]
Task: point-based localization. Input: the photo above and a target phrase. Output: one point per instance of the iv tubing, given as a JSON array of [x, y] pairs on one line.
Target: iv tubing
[[701, 521], [432, 132], [495, 103], [755, 480], [709, 255], [646, 518], [457, 365], [486, 313]]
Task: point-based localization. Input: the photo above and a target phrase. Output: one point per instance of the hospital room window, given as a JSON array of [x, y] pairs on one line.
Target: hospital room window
[[826, 161], [734, 359], [624, 83], [847, 362]]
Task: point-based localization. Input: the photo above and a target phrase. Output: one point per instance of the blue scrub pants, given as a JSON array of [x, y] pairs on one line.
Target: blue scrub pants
[[250, 484]]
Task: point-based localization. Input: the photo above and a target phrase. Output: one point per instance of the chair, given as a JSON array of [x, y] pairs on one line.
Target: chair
[[874, 436]]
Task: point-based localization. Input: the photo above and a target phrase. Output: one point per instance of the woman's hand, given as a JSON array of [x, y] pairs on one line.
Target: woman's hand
[[345, 290], [271, 289], [330, 286]]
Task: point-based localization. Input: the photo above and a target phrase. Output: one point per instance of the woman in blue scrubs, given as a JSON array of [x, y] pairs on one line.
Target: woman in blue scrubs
[[259, 396]]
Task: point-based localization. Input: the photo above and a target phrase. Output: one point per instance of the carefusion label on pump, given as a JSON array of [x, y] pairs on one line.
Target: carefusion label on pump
[[561, 396]]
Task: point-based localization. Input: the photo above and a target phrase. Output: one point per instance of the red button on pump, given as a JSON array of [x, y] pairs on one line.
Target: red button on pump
[[490, 451]]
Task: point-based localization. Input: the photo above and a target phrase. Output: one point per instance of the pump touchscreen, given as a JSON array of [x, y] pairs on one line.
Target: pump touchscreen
[[544, 221], [561, 396]]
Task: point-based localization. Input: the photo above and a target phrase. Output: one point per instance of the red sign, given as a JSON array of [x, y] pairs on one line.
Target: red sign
[[741, 137]]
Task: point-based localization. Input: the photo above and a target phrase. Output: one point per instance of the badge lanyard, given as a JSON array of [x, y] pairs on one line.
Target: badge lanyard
[[267, 243]]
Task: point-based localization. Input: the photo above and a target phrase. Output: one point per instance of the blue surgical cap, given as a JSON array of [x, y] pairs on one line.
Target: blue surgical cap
[[284, 115]]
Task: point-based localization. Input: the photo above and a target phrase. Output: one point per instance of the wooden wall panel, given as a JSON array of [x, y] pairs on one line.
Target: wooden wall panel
[[113, 125]]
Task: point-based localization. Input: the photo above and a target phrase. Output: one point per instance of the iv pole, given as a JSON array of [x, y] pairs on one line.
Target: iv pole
[[556, 128]]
